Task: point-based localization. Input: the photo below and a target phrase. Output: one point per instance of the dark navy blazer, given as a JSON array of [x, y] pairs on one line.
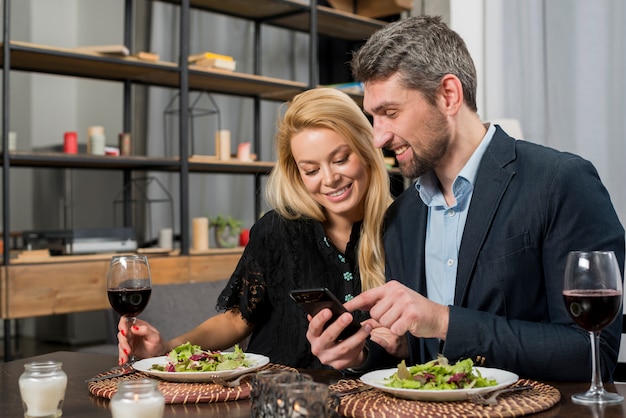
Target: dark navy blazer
[[530, 206]]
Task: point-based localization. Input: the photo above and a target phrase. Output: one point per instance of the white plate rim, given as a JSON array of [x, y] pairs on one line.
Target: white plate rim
[[376, 379], [145, 366]]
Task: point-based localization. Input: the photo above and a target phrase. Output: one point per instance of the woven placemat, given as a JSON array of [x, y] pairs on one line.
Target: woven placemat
[[182, 393], [376, 404]]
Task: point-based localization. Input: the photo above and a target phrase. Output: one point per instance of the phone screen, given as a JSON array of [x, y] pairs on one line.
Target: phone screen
[[314, 300]]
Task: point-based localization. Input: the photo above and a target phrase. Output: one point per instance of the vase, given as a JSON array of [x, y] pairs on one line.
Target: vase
[[226, 236]]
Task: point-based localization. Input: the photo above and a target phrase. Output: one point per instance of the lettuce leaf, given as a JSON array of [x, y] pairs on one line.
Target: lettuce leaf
[[192, 358], [438, 374]]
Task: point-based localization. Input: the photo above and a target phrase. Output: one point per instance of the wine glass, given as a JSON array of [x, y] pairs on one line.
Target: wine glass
[[129, 286], [592, 292]]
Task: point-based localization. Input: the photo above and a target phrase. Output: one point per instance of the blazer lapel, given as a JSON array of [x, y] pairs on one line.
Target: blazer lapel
[[404, 241], [492, 180]]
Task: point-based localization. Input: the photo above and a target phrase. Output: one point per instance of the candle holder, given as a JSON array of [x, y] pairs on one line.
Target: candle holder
[[304, 399], [42, 388], [137, 398], [265, 396]]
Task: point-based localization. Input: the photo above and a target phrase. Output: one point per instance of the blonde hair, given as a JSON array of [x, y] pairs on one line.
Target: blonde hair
[[285, 192]]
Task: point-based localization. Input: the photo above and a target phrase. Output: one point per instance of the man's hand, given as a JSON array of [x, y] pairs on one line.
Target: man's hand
[[401, 310]]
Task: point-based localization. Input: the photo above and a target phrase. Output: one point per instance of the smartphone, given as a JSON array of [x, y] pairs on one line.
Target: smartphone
[[314, 300]]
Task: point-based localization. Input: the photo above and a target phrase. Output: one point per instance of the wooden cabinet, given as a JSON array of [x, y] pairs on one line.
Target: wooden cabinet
[[79, 284]]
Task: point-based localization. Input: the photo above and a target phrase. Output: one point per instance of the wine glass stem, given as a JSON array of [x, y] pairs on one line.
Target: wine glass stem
[[130, 321], [596, 375]]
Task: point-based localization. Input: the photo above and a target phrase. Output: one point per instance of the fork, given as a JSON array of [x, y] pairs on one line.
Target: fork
[[116, 371], [477, 398], [229, 383], [122, 372]]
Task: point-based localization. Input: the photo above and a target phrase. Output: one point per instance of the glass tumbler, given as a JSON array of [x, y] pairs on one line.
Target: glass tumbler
[[42, 388]]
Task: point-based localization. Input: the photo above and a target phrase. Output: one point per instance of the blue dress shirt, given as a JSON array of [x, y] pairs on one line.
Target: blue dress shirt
[[446, 223]]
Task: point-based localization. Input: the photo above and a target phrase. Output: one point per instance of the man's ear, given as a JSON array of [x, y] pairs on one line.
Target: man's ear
[[450, 94]]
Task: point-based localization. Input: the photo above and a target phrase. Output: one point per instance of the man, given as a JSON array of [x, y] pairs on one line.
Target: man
[[476, 250]]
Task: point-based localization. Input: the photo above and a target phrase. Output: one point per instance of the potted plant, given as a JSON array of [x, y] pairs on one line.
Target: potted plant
[[227, 230]]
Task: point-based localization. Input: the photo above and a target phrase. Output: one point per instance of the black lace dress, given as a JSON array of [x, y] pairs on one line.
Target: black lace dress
[[283, 255]]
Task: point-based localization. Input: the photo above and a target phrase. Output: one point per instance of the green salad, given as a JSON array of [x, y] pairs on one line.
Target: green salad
[[438, 374], [192, 358]]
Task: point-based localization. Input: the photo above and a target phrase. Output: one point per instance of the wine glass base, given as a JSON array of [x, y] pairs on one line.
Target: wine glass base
[[592, 397]]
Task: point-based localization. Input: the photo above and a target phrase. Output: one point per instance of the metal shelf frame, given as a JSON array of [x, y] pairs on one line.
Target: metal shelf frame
[[289, 14]]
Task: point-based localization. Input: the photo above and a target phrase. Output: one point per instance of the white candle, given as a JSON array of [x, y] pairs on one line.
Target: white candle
[[222, 144], [166, 238], [42, 388], [12, 141], [137, 408], [137, 399]]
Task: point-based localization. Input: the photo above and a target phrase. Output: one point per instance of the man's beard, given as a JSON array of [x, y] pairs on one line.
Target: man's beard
[[438, 134]]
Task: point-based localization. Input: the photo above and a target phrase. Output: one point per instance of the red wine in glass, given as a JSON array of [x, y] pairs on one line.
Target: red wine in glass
[[129, 302], [129, 286], [592, 292], [593, 309]]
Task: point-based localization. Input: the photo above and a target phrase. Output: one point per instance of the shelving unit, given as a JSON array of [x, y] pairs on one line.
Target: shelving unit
[[70, 62], [23, 56]]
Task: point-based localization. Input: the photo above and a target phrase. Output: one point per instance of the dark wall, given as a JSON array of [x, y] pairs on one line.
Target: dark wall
[[335, 54]]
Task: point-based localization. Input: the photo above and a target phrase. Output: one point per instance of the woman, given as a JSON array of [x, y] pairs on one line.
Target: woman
[[329, 192]]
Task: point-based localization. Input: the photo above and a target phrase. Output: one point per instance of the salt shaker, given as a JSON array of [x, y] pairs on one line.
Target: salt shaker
[[42, 387], [137, 399]]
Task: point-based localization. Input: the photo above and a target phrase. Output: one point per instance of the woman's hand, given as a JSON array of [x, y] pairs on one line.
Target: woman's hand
[[143, 339], [396, 345], [338, 354]]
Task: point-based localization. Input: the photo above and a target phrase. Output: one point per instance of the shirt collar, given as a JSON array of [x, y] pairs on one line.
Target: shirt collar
[[427, 185]]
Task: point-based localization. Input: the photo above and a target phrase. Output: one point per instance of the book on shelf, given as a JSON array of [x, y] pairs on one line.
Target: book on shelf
[[208, 55], [118, 50], [147, 56], [216, 63]]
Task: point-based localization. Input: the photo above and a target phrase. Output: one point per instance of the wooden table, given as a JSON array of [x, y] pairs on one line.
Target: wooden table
[[80, 403]]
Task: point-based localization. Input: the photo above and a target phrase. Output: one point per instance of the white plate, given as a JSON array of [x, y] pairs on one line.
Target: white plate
[[257, 361], [377, 380]]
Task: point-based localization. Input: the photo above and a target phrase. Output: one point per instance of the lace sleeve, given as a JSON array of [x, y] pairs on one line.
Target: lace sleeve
[[246, 290]]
